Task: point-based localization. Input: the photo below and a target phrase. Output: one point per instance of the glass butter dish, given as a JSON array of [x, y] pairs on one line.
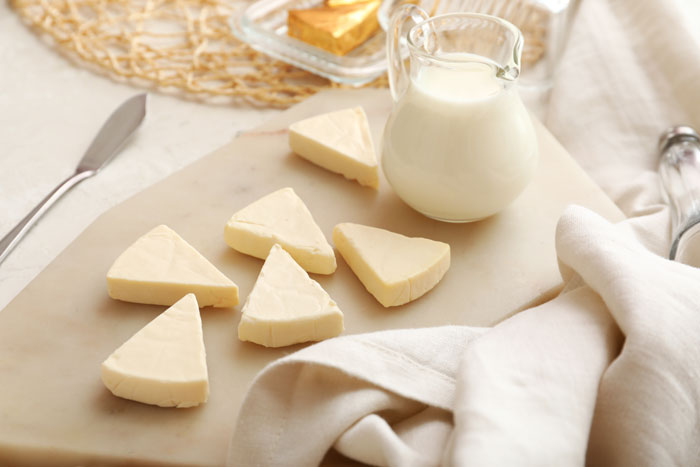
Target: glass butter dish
[[263, 25]]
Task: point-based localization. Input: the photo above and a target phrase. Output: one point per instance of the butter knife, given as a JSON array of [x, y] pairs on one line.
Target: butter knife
[[107, 144]]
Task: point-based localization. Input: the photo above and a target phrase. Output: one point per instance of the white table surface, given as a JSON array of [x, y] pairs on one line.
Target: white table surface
[[51, 109]]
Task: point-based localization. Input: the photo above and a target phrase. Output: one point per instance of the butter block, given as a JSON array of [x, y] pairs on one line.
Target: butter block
[[394, 268], [338, 141], [281, 218], [165, 362], [160, 268], [335, 3], [337, 29], [287, 307]]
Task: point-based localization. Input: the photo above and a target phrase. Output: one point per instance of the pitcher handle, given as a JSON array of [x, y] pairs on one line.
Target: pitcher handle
[[398, 75]]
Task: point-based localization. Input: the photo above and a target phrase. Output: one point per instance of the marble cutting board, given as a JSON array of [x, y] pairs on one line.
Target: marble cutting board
[[54, 335]]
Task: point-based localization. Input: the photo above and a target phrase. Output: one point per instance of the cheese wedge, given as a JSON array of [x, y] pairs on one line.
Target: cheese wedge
[[286, 306], [165, 362], [340, 142], [281, 218], [161, 267], [394, 268]]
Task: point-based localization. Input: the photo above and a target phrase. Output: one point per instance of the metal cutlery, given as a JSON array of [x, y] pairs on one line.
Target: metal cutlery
[[109, 141]]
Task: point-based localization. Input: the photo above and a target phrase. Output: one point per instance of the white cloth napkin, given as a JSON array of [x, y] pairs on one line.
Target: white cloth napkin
[[630, 70], [382, 398], [606, 374], [528, 387]]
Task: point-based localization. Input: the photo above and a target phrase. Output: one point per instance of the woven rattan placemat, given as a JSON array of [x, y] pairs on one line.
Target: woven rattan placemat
[[173, 45]]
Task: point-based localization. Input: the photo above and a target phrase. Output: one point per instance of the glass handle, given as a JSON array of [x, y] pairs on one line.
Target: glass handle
[[395, 38], [680, 176]]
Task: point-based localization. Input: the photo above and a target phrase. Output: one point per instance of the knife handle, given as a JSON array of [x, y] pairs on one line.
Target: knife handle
[[13, 237]]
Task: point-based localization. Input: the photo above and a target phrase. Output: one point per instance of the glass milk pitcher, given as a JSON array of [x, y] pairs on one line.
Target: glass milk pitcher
[[459, 144]]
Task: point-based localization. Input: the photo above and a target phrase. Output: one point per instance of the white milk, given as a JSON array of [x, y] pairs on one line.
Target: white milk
[[459, 145]]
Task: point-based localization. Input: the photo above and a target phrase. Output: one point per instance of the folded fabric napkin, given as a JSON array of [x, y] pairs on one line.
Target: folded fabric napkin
[[608, 373]]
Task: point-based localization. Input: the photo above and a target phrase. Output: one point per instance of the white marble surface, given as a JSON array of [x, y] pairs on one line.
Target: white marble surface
[[50, 110]]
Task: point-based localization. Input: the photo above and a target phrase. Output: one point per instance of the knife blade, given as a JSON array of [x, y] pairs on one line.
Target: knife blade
[[109, 140]]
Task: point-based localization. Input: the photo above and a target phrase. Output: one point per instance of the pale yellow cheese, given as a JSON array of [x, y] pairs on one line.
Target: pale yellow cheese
[[340, 142], [281, 218], [286, 306], [394, 268], [161, 267], [165, 362]]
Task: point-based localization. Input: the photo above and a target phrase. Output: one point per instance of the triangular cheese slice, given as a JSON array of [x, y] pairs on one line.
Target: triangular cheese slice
[[161, 267], [165, 362], [394, 268], [340, 142], [286, 306], [281, 218]]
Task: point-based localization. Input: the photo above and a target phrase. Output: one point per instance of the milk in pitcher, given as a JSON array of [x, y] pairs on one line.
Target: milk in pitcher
[[460, 145]]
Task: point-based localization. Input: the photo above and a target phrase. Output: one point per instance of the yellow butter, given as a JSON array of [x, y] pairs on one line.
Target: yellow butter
[[338, 141], [394, 268], [335, 3], [164, 363], [337, 29], [287, 307], [160, 268]]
